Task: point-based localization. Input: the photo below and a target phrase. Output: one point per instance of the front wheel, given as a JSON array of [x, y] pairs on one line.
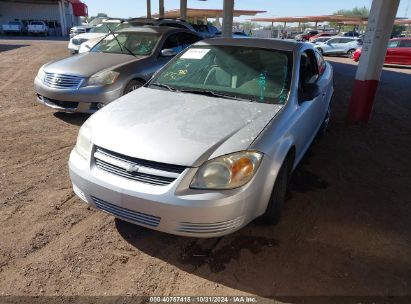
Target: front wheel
[[321, 51], [350, 53], [277, 200], [132, 85]]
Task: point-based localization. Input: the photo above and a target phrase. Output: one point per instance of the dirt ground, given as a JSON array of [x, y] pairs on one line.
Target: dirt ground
[[346, 229]]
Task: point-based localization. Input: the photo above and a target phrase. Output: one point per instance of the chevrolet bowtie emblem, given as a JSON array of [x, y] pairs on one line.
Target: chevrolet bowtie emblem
[[132, 168]]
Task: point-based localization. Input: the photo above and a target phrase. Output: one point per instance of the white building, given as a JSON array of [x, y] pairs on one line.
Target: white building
[[61, 15]]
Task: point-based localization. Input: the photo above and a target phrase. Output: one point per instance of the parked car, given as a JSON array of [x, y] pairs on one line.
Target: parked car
[[321, 40], [114, 67], [210, 142], [339, 46], [14, 27], [398, 52], [236, 34], [81, 29], [324, 34], [205, 31], [306, 35], [350, 34], [99, 31], [38, 27]]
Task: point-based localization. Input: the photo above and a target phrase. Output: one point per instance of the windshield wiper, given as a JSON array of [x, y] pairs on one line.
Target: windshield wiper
[[119, 44], [165, 86], [214, 94]]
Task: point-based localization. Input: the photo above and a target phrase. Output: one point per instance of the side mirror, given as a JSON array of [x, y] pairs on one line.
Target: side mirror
[[309, 92], [168, 53]]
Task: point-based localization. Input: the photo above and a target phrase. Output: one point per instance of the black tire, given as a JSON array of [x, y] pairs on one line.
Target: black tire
[[132, 85], [350, 53], [321, 51], [277, 200], [324, 126]]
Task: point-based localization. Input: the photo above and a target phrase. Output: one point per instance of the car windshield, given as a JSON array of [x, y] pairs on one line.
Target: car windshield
[[137, 43], [248, 73], [103, 27]]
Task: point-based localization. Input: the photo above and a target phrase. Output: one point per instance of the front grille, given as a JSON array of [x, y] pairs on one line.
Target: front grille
[[62, 81], [136, 169], [127, 214], [59, 103], [210, 227]]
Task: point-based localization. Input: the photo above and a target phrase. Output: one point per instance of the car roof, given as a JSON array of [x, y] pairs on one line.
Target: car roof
[[270, 43], [401, 38], [154, 29]]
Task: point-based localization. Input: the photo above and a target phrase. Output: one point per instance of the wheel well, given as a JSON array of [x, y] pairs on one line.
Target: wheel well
[[139, 79], [291, 156], [351, 50]]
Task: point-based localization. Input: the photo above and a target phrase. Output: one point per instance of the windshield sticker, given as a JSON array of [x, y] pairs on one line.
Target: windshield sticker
[[195, 53]]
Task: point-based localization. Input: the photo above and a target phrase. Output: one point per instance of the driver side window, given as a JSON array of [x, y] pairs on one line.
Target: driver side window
[[308, 68], [308, 71]]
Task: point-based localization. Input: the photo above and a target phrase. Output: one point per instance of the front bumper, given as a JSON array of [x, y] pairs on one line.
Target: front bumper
[[174, 208], [82, 100]]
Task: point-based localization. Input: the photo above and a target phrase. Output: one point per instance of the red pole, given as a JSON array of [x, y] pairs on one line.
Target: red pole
[[379, 27]]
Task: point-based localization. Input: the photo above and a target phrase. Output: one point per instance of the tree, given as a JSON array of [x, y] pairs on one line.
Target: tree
[[397, 30], [247, 26], [355, 12]]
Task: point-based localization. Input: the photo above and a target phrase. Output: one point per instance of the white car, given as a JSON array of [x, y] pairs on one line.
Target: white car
[[81, 29], [99, 31], [339, 46], [38, 27]]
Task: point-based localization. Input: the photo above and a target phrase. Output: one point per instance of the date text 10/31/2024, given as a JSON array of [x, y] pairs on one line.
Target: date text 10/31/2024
[[203, 299]]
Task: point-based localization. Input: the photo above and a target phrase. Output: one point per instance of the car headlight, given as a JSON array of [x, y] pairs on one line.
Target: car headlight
[[41, 74], [227, 171], [103, 78], [83, 145]]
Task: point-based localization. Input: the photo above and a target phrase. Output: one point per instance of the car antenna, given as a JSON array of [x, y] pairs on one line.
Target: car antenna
[[120, 45]]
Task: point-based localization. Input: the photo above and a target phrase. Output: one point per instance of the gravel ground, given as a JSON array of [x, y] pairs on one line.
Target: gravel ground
[[346, 229]]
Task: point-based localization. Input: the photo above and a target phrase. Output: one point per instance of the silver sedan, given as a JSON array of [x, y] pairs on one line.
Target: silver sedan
[[120, 63], [210, 142]]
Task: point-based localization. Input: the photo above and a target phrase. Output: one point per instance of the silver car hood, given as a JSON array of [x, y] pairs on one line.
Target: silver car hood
[[87, 64], [178, 128]]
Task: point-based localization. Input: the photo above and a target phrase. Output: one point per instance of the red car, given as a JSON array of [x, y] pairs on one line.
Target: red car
[[306, 35], [321, 35], [398, 52]]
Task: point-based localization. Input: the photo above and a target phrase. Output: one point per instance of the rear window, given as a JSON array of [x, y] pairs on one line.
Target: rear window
[[393, 44], [405, 43]]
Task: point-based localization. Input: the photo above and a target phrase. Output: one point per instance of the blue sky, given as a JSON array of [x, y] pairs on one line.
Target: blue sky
[[274, 8]]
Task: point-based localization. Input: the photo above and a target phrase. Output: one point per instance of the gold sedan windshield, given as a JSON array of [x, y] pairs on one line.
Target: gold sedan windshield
[[140, 44]]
